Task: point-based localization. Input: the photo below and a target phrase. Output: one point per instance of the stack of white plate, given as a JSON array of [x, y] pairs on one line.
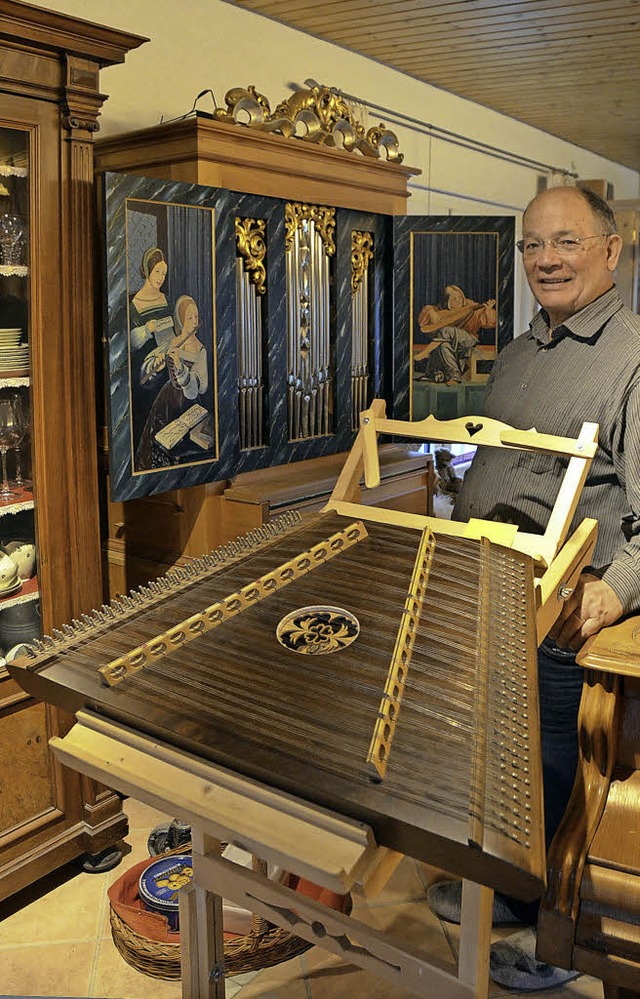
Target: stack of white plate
[[14, 356]]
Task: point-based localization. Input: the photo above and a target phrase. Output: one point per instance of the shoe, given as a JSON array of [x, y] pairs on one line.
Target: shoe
[[445, 900], [514, 964]]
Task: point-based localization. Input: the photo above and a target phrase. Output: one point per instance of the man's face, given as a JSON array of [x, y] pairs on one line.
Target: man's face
[[564, 284]]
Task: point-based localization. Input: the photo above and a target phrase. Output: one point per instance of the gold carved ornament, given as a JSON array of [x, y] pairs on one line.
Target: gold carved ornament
[[250, 240], [361, 254], [318, 630], [318, 114], [323, 218]]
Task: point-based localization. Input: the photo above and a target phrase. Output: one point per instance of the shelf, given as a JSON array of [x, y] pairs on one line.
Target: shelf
[[23, 500], [11, 380], [12, 171], [28, 591], [13, 270]]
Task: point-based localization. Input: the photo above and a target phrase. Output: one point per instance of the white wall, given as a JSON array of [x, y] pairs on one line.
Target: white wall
[[201, 44]]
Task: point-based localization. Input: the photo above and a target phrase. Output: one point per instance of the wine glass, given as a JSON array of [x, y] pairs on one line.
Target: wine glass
[[11, 239], [10, 435], [22, 416]]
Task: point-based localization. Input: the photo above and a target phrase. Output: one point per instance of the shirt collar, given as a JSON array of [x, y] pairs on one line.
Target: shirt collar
[[583, 324]]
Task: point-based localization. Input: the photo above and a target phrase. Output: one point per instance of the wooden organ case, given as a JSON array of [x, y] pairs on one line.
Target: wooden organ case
[[396, 711], [148, 535]]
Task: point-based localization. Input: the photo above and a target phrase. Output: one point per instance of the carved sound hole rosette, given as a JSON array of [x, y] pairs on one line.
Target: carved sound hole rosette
[[317, 631]]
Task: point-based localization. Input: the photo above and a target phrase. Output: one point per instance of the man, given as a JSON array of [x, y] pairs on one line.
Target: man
[[579, 361]]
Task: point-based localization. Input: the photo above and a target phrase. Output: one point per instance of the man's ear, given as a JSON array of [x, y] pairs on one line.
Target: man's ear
[[614, 249]]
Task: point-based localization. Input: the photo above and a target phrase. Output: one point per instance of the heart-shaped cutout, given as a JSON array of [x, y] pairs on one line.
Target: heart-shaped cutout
[[472, 428]]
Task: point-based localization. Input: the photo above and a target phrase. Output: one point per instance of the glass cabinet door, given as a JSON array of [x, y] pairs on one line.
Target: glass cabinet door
[[19, 594]]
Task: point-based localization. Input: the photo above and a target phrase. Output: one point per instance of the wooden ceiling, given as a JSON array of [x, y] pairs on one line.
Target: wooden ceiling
[[569, 67]]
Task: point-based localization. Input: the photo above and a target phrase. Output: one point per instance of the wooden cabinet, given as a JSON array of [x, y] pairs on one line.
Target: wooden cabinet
[[627, 215], [49, 105], [148, 537], [406, 483]]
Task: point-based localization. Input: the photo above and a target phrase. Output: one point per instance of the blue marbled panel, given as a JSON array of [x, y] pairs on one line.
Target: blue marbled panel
[[195, 266], [406, 230]]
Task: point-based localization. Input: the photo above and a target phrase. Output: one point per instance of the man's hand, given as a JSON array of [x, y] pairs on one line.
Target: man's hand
[[592, 606]]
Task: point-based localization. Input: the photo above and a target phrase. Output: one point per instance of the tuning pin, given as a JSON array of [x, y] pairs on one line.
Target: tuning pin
[[58, 635]]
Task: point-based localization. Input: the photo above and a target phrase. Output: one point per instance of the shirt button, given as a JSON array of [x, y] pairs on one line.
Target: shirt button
[[524, 385]]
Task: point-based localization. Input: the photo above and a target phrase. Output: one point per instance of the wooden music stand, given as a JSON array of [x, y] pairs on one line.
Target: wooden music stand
[[559, 561]]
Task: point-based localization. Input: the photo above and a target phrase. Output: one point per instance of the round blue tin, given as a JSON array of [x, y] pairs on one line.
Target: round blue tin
[[160, 883]]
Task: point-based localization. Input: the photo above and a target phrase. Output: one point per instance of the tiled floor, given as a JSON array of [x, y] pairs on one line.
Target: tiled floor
[[55, 941]]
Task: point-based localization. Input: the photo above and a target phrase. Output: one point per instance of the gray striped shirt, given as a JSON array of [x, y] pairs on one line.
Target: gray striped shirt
[[588, 371]]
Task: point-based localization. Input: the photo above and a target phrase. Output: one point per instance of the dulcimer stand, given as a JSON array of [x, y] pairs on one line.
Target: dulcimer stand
[[334, 851]]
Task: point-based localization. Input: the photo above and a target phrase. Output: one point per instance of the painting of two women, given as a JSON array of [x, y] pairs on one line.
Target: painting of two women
[[171, 352]]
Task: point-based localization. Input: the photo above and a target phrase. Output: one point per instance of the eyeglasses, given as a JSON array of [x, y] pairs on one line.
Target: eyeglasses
[[563, 245]]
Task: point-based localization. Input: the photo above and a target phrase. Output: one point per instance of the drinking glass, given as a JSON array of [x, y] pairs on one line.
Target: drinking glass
[[11, 239], [10, 435], [23, 418]]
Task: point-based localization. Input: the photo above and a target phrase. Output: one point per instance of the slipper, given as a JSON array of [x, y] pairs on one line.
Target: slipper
[[445, 900], [514, 964]]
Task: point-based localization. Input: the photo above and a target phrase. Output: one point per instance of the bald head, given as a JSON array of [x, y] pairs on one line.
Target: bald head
[[604, 218]]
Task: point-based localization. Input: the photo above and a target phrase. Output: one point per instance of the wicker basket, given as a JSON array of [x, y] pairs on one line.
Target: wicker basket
[[264, 946]]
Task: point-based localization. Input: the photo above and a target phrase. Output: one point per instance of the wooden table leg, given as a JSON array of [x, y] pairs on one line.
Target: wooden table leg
[[201, 933], [475, 937]]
